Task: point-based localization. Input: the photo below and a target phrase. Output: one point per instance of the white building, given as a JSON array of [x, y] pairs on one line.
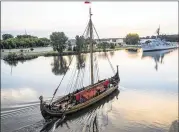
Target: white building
[[116, 41]]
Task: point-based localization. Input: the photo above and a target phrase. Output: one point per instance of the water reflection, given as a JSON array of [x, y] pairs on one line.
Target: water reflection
[[102, 55], [81, 59], [59, 65], [14, 63], [144, 110], [13, 96], [158, 56], [11, 63], [112, 53]]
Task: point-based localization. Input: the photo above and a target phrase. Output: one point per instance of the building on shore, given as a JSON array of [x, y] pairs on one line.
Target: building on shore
[[116, 41]]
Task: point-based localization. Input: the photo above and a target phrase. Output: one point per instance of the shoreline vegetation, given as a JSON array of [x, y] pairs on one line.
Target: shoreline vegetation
[[19, 55], [24, 45]]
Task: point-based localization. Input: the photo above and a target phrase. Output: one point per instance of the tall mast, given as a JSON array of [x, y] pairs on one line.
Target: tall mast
[[91, 45]]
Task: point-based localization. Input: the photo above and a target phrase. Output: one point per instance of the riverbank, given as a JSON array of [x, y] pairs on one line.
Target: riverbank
[[18, 55]]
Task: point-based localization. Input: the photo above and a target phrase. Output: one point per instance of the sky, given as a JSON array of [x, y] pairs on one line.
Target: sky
[[111, 19]]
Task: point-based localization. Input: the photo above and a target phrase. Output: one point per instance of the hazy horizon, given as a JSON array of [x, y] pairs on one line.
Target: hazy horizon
[[111, 19]]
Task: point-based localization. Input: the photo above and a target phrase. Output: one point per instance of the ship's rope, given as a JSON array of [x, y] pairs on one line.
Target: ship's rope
[[71, 80], [106, 54], [110, 64], [61, 80]]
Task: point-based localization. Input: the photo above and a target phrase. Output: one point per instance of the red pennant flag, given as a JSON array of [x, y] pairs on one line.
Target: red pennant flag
[[87, 2]]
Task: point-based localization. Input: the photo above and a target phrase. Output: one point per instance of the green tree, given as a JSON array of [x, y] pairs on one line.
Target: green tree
[[7, 36], [23, 41], [112, 46], [69, 46], [58, 40], [104, 46], [132, 38], [11, 43], [25, 36], [43, 42], [80, 41]]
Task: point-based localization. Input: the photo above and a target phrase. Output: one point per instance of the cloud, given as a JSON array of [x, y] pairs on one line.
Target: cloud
[[9, 96]]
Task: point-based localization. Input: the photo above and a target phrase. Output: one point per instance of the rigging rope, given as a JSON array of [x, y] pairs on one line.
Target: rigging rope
[[106, 54], [86, 28], [76, 80], [83, 77], [61, 81], [71, 80], [110, 64], [97, 67]]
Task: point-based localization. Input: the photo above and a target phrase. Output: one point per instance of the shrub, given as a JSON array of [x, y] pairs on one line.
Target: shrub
[[74, 48], [21, 56], [112, 46], [31, 49], [11, 56], [69, 48]]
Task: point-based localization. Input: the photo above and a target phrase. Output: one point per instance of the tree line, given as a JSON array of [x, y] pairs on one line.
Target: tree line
[[59, 41], [22, 41]]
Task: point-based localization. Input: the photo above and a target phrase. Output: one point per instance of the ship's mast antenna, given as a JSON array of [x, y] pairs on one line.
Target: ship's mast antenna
[[158, 31]]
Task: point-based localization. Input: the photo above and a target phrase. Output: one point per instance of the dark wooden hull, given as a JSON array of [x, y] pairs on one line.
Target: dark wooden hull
[[47, 113]]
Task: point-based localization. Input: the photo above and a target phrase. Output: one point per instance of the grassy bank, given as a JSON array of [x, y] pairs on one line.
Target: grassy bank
[[21, 56], [12, 56], [53, 53]]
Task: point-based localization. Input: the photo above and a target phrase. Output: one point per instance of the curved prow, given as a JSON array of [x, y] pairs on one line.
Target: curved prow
[[116, 76], [117, 69], [41, 103], [41, 99]]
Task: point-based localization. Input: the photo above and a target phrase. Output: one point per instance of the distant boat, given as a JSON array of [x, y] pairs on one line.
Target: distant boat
[[81, 98], [157, 44]]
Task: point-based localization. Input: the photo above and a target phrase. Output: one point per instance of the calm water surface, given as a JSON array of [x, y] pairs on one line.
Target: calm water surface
[[147, 99]]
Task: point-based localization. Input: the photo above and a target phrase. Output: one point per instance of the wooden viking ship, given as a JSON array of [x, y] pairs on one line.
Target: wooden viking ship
[[85, 96]]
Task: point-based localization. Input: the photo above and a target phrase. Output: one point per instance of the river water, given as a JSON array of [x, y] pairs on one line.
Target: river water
[[147, 100]]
